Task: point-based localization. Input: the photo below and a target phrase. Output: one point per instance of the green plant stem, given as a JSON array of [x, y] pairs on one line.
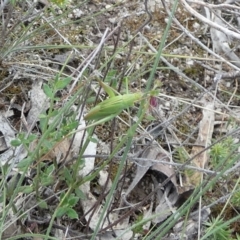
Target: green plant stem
[[46, 237], [37, 182]]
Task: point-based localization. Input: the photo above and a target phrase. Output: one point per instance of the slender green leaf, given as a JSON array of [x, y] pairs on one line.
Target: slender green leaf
[[62, 83], [16, 142], [48, 91], [61, 211], [72, 201], [25, 162], [71, 213]]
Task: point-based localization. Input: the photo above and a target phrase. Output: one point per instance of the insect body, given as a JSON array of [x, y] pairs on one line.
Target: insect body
[[112, 106]]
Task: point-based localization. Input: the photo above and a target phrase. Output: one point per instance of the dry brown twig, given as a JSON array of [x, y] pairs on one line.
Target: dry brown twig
[[209, 22], [214, 6]]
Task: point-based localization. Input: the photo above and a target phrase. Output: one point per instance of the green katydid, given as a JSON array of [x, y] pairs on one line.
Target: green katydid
[[113, 106]]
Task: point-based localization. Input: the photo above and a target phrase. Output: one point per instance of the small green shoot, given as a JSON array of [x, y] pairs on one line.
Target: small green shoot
[[67, 206], [220, 151], [217, 229]]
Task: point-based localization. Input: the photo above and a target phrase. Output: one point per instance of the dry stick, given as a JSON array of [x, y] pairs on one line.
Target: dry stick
[[218, 15], [214, 6], [210, 23], [230, 75]]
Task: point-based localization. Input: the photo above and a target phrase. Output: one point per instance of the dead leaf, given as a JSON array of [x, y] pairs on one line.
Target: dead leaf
[[153, 153], [160, 172], [204, 139], [39, 102]]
